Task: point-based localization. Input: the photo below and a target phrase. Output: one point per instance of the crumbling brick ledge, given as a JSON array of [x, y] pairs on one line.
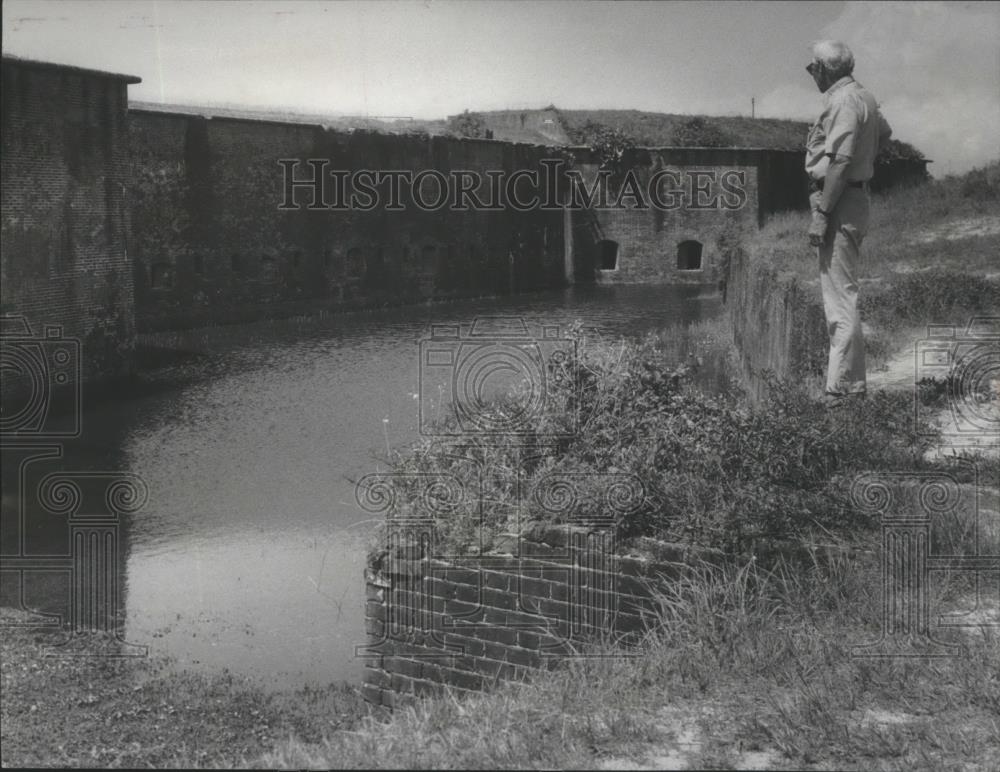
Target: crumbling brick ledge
[[535, 599]]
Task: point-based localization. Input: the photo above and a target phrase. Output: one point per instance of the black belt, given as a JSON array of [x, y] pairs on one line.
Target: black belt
[[818, 184]]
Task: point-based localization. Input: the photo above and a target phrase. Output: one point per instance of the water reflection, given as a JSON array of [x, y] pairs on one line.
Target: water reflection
[[250, 552]]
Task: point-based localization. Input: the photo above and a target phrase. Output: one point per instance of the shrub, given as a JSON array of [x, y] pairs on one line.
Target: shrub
[[925, 297], [982, 184], [713, 472]]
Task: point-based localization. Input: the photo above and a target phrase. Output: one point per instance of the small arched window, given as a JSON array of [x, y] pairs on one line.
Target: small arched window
[[608, 252], [689, 256]]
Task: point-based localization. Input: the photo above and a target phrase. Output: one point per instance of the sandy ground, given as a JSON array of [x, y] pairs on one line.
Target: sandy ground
[[967, 228]]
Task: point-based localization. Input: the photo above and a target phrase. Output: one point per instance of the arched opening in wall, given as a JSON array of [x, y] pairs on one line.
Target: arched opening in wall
[[161, 276], [689, 256], [607, 252]]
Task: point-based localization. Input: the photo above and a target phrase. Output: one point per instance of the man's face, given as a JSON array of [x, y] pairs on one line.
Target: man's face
[[819, 75]]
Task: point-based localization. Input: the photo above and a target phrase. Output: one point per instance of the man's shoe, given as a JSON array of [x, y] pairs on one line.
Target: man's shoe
[[833, 400]]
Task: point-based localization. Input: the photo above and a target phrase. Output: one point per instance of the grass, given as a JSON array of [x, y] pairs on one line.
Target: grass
[[903, 229], [661, 129], [742, 659], [747, 660], [929, 257], [95, 711]]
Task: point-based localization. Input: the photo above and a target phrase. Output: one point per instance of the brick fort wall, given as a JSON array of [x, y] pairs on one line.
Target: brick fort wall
[[64, 223]]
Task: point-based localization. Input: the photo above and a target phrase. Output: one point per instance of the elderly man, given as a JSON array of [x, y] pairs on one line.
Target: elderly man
[[840, 158]]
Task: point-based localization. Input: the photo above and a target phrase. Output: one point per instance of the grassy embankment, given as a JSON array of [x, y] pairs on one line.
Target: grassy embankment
[[751, 664], [924, 260]]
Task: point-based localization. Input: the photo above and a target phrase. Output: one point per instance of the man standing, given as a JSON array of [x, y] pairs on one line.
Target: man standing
[[840, 159]]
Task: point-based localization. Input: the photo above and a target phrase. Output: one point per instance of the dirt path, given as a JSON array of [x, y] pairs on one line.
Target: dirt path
[[970, 420]]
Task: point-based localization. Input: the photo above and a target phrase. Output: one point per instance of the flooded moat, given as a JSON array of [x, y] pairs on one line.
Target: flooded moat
[[249, 553]]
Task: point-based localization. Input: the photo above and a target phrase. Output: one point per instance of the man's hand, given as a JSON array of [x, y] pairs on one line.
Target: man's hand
[[818, 228]]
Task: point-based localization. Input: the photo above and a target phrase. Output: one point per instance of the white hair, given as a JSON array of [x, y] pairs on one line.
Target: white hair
[[835, 56]]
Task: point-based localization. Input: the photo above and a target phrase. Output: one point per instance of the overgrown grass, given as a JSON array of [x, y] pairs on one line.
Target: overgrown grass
[[99, 711], [743, 659], [712, 471]]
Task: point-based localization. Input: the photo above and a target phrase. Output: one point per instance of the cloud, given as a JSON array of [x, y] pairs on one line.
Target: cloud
[[935, 68]]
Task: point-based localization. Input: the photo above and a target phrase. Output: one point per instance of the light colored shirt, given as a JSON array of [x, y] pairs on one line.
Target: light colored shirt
[[850, 126]]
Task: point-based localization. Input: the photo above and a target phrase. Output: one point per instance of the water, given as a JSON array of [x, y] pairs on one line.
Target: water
[[249, 554]]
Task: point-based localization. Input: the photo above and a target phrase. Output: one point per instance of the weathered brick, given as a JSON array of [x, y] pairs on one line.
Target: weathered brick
[[460, 609], [470, 645], [402, 666], [497, 581], [374, 628], [533, 587], [463, 679], [499, 634], [502, 599], [371, 693], [520, 656], [401, 684]]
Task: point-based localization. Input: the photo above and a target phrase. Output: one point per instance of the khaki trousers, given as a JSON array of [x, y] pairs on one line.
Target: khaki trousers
[[838, 266]]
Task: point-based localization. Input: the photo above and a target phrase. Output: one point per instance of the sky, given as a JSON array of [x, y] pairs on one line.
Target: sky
[[934, 67]]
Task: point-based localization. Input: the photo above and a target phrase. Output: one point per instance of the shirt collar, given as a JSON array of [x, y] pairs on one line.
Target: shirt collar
[[838, 85]]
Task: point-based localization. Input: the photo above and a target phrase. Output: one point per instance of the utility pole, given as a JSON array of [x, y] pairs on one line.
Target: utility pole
[[753, 107]]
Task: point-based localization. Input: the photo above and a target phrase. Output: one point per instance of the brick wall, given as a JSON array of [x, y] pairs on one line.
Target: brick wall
[[211, 245], [712, 193], [469, 622], [777, 324], [64, 171]]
